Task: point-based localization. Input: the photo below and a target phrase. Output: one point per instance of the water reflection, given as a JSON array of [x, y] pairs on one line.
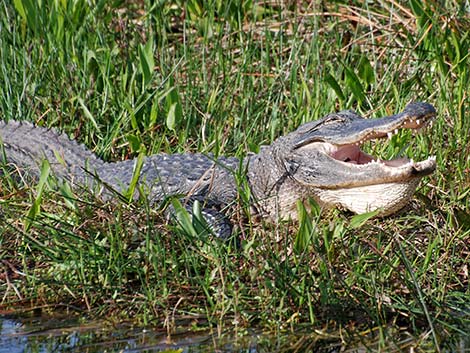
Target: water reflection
[[59, 334]]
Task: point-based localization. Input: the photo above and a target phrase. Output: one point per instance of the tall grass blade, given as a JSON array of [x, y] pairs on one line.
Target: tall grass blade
[[36, 206], [147, 63], [132, 189]]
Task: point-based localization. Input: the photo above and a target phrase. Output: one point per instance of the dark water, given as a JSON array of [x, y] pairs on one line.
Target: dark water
[[65, 334], [39, 334]]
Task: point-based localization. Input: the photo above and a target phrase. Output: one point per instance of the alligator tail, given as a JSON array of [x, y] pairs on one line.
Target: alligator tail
[[25, 146]]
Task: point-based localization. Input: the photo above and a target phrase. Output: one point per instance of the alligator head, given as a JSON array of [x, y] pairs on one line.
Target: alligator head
[[323, 159]]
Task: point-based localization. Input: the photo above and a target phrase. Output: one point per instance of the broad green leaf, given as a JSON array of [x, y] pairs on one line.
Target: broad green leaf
[[32, 13], [139, 162], [153, 113], [194, 9], [306, 226], [68, 195], [199, 223], [365, 71], [36, 207], [20, 8], [330, 80], [87, 113], [173, 106], [183, 217], [147, 63], [171, 117], [355, 85], [135, 142], [360, 219]]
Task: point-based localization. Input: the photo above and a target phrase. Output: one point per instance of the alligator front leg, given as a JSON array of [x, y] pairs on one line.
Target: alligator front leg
[[199, 216]]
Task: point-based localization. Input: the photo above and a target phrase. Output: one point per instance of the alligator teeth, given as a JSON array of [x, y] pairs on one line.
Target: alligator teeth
[[389, 135], [418, 121], [396, 131]]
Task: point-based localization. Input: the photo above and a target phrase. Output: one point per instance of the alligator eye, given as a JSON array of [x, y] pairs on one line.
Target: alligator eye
[[347, 160], [328, 120], [334, 119]]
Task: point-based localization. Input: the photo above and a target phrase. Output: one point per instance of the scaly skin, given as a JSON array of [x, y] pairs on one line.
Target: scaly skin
[[320, 160]]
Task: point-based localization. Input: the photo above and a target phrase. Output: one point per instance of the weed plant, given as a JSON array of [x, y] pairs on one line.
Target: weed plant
[[141, 77]]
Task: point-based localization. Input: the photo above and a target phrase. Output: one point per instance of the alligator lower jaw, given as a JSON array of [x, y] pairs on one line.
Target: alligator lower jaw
[[384, 199], [391, 186]]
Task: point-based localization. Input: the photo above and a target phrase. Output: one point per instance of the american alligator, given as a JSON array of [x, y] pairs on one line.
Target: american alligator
[[321, 160]]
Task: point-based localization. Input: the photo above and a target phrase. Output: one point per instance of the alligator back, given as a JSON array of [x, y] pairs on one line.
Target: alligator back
[[188, 174], [26, 146], [162, 175]]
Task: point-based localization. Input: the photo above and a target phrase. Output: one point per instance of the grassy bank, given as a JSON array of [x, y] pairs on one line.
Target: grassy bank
[[227, 77]]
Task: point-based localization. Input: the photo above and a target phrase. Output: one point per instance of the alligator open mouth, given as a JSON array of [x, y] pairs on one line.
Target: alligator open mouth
[[340, 135], [389, 183], [353, 154]]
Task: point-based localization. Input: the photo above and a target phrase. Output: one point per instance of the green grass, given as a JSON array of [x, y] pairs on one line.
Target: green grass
[[127, 78]]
